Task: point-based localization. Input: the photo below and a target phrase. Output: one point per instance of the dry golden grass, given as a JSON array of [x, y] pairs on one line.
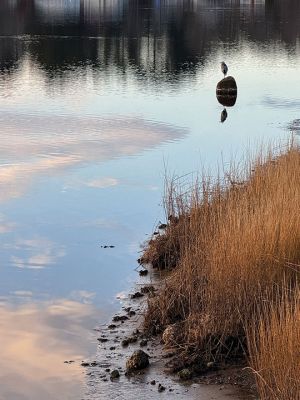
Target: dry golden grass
[[237, 245], [274, 347]]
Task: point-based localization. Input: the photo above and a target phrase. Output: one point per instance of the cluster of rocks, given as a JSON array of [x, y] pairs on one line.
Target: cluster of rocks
[[139, 359]]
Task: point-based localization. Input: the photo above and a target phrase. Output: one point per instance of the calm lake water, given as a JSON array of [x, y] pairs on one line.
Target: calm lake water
[[97, 98]]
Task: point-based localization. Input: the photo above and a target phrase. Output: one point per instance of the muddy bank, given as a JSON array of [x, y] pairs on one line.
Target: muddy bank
[[230, 299], [108, 376]]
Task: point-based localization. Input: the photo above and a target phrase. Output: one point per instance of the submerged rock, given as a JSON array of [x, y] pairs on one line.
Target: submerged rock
[[139, 360]]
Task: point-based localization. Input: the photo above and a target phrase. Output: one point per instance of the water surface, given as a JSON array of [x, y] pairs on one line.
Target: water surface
[[97, 98]]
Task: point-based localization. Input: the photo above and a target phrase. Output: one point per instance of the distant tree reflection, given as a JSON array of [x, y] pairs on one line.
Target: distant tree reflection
[[158, 39]]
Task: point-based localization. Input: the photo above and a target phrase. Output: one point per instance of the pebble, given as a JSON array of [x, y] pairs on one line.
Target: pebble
[[136, 295], [102, 340], [143, 272], [115, 374], [161, 388], [121, 318], [143, 343]]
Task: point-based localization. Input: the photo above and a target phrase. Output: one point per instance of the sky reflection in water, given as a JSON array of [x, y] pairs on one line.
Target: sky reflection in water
[[96, 99], [36, 338]]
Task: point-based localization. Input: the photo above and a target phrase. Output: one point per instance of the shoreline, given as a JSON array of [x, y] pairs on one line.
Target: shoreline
[[124, 334], [231, 295], [213, 306]]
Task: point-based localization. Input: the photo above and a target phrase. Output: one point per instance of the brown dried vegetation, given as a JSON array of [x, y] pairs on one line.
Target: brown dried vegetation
[[233, 246]]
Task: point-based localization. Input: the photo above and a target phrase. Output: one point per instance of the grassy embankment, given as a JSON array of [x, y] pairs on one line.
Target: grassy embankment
[[233, 250]]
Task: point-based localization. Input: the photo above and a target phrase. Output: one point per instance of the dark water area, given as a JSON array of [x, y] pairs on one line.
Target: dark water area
[[156, 39], [97, 99]]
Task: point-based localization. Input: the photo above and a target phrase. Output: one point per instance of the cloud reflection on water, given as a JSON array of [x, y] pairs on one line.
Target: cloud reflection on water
[[34, 145], [36, 339], [6, 226], [36, 253]]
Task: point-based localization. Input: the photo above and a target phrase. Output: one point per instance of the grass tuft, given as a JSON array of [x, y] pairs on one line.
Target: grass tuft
[[232, 246]]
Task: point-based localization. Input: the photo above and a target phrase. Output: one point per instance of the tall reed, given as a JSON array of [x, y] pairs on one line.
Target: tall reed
[[274, 347], [232, 244]]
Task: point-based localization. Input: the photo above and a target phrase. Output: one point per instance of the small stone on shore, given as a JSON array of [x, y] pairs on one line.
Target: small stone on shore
[[185, 374], [94, 364], [136, 295], [102, 340], [115, 374], [143, 272], [121, 318], [161, 388], [137, 361], [147, 289], [85, 364], [162, 226]]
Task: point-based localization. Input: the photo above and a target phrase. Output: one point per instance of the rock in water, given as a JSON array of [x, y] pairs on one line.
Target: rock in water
[[138, 360], [227, 91], [227, 85]]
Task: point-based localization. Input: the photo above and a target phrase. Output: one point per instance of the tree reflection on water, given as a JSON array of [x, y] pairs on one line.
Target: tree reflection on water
[[157, 39]]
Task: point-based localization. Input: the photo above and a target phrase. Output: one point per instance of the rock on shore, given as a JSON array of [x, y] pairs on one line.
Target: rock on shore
[[138, 360]]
